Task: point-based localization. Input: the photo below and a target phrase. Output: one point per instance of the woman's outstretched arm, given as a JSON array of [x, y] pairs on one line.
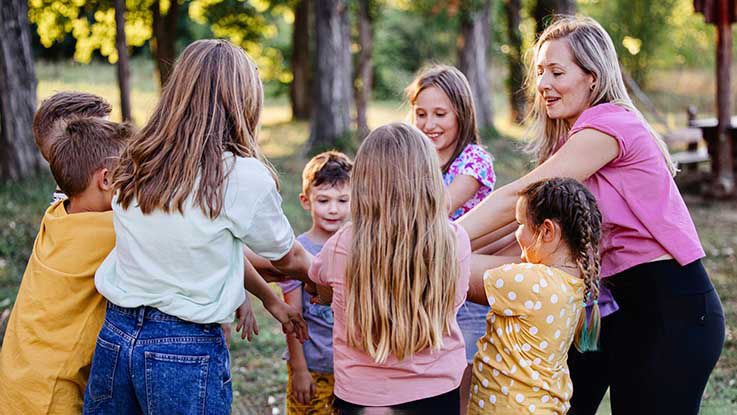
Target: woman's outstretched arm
[[581, 156]]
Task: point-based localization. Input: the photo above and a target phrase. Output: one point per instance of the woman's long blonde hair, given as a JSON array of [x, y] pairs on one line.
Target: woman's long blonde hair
[[402, 272], [593, 51], [211, 104]]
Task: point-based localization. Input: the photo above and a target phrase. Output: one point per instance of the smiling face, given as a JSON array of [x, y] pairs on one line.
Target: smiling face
[[564, 86], [329, 206], [434, 115]]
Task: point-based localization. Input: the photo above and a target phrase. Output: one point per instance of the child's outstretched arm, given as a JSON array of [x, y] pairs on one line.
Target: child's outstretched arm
[[290, 318], [303, 386], [246, 321], [479, 265], [296, 263]]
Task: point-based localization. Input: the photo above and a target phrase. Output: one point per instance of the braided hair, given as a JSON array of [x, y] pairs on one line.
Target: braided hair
[[570, 204]]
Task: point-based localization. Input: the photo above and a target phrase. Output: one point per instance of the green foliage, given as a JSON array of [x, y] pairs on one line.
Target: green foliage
[[653, 34]]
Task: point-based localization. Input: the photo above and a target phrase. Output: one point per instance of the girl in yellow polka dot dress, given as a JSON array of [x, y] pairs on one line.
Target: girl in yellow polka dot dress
[[538, 307]]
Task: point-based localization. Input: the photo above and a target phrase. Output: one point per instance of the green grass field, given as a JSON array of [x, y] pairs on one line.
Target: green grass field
[[258, 371]]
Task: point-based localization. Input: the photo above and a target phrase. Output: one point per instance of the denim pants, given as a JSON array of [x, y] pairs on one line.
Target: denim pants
[[153, 363]]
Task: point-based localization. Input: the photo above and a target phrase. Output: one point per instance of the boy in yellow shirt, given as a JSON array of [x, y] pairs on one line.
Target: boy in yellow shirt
[[50, 338]]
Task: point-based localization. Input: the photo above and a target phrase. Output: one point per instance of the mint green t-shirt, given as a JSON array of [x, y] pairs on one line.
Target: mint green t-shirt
[[188, 265]]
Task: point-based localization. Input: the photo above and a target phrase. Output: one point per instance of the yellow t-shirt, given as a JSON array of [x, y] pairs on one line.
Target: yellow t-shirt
[[520, 366], [48, 345]]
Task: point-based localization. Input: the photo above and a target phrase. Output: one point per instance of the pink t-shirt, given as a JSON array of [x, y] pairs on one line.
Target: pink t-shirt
[[643, 214], [361, 381]]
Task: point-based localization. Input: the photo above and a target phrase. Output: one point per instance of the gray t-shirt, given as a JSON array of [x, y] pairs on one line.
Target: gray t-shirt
[[318, 348]]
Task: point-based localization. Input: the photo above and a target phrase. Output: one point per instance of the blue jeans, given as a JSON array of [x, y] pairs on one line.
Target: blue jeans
[[149, 362], [471, 319]]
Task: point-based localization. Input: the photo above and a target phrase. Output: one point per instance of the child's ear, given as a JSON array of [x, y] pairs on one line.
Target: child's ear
[[549, 230], [304, 201], [104, 179]]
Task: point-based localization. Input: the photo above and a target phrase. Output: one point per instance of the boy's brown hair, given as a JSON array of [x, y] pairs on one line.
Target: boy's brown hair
[[60, 106], [331, 167], [84, 146]]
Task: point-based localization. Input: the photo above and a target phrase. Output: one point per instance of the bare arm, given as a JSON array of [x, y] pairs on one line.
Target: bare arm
[[462, 189], [581, 156], [479, 265], [296, 263], [303, 386], [493, 241]]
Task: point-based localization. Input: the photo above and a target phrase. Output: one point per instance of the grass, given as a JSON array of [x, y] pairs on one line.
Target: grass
[[259, 375]]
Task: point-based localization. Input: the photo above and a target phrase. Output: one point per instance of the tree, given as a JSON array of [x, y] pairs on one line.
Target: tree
[[163, 41], [299, 89], [332, 87], [544, 10], [19, 156], [123, 67], [363, 82], [515, 80], [472, 60]]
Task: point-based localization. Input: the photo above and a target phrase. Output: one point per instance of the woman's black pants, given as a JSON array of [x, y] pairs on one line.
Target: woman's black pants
[[657, 351]]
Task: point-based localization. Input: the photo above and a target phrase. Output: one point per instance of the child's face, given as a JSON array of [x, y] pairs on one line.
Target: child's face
[[329, 206], [526, 238], [434, 116]]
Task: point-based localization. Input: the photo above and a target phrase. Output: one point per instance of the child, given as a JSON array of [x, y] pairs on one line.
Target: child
[[51, 334], [53, 111], [536, 307], [191, 189], [443, 109], [326, 193], [399, 272]]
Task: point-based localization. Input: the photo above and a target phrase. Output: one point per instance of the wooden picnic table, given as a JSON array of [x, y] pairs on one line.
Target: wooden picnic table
[[710, 132]]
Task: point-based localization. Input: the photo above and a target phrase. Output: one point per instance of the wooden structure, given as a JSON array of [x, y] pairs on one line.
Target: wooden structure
[[721, 13]]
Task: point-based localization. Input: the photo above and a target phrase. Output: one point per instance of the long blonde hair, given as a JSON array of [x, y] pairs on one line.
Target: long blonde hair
[[593, 51], [211, 104], [454, 84], [402, 272]]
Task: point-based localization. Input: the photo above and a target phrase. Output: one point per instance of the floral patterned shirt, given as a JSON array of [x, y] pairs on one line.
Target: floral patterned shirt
[[476, 162]]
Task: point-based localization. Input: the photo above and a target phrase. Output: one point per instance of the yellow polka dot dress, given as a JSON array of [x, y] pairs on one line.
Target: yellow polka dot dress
[[521, 367]]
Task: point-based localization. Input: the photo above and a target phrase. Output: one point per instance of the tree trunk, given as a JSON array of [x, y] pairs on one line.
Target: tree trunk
[[473, 43], [544, 10], [163, 46], [332, 88], [724, 185], [516, 79], [19, 156], [123, 67], [363, 80], [299, 90]]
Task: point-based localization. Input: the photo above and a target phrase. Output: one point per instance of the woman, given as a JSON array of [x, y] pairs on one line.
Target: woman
[[658, 349]]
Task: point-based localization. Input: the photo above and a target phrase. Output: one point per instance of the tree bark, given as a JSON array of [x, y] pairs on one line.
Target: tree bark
[[364, 80], [544, 10], [123, 67], [299, 90], [724, 184], [19, 156], [163, 46], [473, 42], [332, 88], [516, 79]]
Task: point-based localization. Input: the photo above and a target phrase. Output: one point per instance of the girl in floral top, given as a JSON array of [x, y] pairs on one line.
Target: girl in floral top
[[443, 109]]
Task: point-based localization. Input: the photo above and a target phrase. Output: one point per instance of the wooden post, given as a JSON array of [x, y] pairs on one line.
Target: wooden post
[[724, 184]]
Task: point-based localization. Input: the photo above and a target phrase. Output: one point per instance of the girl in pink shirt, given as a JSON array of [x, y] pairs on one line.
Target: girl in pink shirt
[[659, 348], [396, 341]]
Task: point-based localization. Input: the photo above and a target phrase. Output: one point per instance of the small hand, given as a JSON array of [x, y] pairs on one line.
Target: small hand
[[290, 319], [246, 321], [303, 387]]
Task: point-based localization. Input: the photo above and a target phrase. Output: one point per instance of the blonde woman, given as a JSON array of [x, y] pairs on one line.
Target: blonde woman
[[398, 273], [192, 189], [658, 349]]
